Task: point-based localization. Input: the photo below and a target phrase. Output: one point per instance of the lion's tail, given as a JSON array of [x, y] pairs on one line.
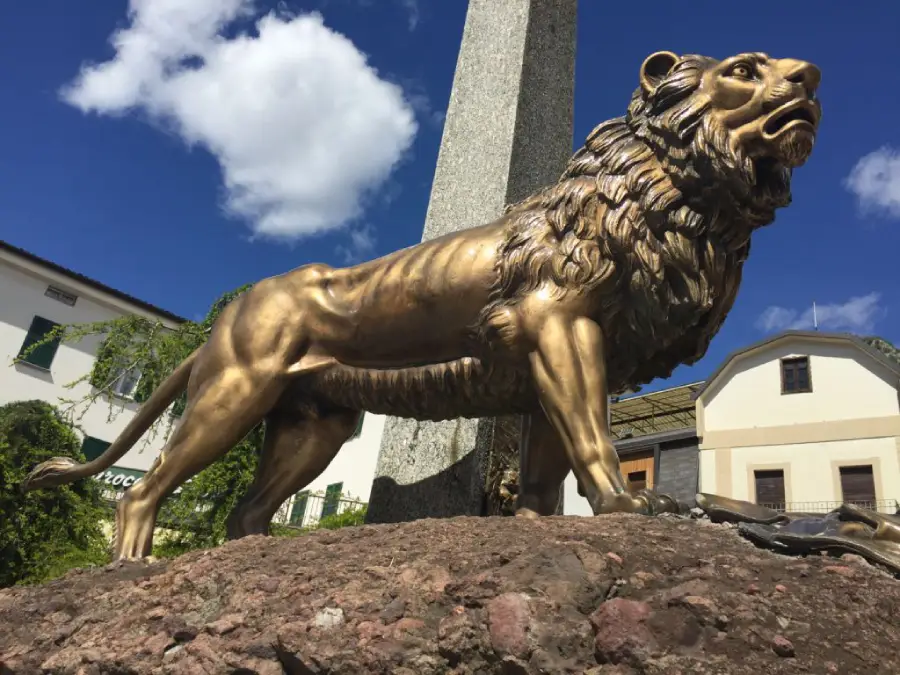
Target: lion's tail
[[63, 470]]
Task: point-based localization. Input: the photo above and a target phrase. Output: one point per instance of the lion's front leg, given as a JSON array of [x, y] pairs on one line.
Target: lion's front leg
[[569, 370]]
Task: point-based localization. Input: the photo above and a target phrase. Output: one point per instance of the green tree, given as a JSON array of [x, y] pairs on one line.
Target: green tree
[[885, 347], [47, 532]]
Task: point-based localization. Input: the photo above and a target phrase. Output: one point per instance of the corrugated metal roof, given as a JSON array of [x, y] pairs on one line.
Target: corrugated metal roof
[[664, 410]]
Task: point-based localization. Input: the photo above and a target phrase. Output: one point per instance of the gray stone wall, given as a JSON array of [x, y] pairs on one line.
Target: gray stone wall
[[679, 471]]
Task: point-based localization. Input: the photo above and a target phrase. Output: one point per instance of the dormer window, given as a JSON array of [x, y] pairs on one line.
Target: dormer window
[[795, 377]]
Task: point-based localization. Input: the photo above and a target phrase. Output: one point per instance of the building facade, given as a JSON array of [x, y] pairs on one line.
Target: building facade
[[37, 295], [656, 440], [803, 421]]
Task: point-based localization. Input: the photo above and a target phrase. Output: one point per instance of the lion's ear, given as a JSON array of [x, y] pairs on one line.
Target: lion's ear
[[654, 68]]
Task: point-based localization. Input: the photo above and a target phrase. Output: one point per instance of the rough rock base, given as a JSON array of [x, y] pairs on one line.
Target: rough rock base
[[616, 594]]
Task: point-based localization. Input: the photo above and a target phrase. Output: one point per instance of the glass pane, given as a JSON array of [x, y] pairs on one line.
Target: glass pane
[[126, 383], [789, 379]]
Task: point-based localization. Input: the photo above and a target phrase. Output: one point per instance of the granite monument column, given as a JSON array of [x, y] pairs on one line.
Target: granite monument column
[[508, 132]]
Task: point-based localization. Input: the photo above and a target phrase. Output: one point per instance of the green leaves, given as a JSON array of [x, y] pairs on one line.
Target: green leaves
[[46, 532]]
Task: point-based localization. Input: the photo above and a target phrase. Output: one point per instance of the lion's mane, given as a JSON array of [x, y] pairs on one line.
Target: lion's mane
[[652, 217]]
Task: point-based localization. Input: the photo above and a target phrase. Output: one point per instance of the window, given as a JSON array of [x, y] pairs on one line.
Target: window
[[41, 357], [332, 499], [93, 447], [126, 384], [637, 480], [359, 427], [770, 488], [858, 485], [298, 508], [795, 375]]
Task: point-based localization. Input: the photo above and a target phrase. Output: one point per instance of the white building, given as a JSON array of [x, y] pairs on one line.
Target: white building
[[36, 294], [803, 421]]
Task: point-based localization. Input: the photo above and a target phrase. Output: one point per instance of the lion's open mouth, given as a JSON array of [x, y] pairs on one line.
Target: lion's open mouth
[[791, 116]]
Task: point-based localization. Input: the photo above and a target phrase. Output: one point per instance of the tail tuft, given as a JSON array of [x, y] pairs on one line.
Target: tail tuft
[[53, 472]]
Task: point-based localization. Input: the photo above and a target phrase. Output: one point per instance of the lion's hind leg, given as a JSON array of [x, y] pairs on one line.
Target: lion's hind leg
[[297, 449], [543, 466], [220, 413]]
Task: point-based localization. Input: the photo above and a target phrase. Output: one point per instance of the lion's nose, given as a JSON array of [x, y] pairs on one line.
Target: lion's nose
[[803, 73]]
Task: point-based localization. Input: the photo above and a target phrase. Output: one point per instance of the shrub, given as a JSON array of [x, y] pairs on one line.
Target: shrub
[[44, 533]]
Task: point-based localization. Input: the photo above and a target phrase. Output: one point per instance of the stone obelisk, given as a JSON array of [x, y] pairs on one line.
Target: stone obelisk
[[508, 132]]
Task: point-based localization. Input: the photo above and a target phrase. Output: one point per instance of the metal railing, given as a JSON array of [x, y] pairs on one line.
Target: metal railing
[[305, 511], [890, 506]]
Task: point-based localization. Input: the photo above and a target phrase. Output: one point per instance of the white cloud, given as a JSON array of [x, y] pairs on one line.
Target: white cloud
[[858, 314], [360, 246], [304, 130], [875, 180], [412, 12]]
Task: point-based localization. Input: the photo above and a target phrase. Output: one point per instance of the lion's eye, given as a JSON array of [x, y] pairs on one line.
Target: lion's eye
[[742, 71]]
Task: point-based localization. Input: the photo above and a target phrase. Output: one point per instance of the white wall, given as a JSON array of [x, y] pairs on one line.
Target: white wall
[[22, 297], [809, 468], [573, 503], [846, 384], [354, 465]]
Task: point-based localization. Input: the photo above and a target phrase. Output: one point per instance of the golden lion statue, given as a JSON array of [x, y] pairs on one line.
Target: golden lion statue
[[615, 275]]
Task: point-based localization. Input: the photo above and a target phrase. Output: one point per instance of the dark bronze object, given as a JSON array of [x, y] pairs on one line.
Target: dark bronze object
[[610, 278], [847, 529]]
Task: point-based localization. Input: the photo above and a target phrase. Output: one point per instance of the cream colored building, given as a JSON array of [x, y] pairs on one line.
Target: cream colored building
[[803, 419]]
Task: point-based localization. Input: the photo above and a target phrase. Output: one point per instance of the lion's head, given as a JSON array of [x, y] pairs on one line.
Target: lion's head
[[653, 216], [741, 123]]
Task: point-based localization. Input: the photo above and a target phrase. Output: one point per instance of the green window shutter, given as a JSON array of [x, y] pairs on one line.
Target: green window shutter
[[298, 508], [359, 427], [332, 499], [93, 447], [41, 357]]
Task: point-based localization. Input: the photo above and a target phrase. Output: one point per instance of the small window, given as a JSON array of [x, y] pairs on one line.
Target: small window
[[92, 447], [126, 384], [858, 485], [42, 357], [770, 488], [332, 499], [637, 480], [795, 375]]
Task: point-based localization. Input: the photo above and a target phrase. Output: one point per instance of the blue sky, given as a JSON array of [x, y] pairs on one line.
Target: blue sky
[[180, 150]]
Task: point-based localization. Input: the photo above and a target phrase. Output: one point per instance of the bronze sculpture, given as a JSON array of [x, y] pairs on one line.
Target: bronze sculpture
[[612, 277], [847, 529]]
